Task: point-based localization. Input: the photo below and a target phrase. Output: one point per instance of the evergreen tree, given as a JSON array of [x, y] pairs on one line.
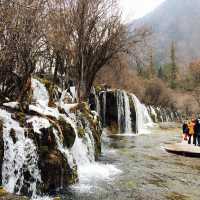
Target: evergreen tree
[[160, 73], [151, 70], [174, 68]]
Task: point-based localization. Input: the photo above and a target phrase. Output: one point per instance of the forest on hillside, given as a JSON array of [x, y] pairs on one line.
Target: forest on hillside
[[168, 85]]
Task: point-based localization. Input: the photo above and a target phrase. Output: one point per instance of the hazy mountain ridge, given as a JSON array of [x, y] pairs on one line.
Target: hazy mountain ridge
[[174, 20]]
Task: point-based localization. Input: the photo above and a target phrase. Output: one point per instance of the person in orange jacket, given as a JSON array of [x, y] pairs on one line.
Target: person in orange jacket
[[191, 126]]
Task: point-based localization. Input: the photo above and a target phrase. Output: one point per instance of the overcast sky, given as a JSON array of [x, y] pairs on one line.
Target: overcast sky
[[133, 9]]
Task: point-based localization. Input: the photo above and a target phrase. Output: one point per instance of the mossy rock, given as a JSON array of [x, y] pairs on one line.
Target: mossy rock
[[57, 198], [69, 135], [113, 128], [4, 195], [55, 172], [20, 117], [3, 192], [87, 117], [98, 88], [52, 89], [43, 151], [133, 114], [47, 138], [81, 132]]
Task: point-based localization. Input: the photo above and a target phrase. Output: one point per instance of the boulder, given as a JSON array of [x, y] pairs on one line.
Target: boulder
[[55, 170]]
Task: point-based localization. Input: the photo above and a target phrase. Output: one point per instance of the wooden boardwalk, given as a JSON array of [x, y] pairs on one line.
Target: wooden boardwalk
[[183, 149]]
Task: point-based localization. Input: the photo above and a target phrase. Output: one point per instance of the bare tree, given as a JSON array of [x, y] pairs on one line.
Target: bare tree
[[196, 94], [93, 36], [22, 41]]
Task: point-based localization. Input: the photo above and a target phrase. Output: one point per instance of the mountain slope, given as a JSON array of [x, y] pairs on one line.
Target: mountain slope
[[178, 21]]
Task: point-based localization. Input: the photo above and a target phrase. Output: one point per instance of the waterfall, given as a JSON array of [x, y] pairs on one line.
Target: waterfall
[[83, 149], [20, 158], [120, 110], [40, 93], [153, 112], [143, 119], [98, 107], [104, 108], [124, 113], [128, 128]]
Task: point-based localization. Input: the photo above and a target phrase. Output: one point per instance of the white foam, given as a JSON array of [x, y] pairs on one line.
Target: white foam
[[40, 92], [93, 173], [143, 120], [39, 123], [17, 156]]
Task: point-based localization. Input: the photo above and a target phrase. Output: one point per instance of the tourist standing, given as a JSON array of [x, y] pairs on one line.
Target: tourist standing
[[191, 126], [197, 130], [185, 130]]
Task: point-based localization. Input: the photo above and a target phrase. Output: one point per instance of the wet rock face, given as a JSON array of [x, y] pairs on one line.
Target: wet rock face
[[111, 108], [92, 102], [1, 150], [87, 119], [133, 115], [55, 170], [7, 196], [69, 135], [112, 111], [54, 167]]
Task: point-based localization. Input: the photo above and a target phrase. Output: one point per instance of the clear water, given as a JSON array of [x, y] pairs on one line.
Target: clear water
[[147, 171]]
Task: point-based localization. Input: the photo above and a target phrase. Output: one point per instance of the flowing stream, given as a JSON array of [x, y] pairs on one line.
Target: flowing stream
[[146, 171]]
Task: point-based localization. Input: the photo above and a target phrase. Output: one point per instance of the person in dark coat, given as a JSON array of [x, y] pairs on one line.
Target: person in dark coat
[[197, 130], [185, 130]]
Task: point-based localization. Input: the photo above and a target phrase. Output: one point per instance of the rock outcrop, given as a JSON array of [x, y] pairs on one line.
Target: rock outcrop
[[44, 137]]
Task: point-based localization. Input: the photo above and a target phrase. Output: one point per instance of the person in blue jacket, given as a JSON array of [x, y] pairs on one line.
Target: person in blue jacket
[[197, 130]]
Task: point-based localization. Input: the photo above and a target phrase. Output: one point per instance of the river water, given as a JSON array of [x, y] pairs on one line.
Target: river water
[[147, 172]]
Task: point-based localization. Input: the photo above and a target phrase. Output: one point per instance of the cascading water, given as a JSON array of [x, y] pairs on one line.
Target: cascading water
[[20, 158], [124, 114], [128, 128], [97, 102], [20, 170], [153, 112], [104, 108], [143, 119], [83, 152], [120, 110]]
